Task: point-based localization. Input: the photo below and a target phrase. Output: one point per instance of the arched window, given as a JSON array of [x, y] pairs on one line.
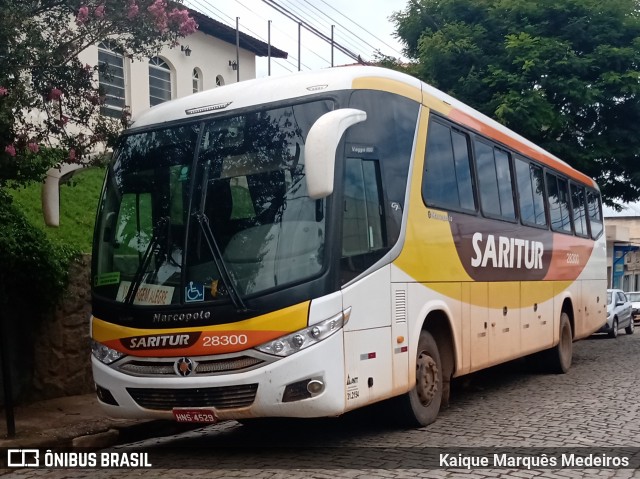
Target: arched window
[[219, 80], [111, 79], [196, 78], [159, 81]]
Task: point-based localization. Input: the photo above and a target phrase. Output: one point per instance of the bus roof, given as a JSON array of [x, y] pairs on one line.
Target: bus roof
[[271, 89]]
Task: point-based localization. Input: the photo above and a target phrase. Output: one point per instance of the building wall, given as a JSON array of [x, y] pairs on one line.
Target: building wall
[[209, 55], [630, 222], [623, 238]]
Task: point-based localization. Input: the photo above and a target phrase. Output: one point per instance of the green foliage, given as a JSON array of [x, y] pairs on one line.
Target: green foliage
[[50, 113], [78, 204], [563, 74], [18, 172], [34, 269]]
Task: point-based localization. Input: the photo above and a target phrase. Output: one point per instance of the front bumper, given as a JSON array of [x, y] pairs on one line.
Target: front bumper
[[607, 327], [261, 389]]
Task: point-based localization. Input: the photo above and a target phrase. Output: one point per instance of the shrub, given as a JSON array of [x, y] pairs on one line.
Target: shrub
[[34, 270]]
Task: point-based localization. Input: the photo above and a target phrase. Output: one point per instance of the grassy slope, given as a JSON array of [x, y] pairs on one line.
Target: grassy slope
[[78, 204]]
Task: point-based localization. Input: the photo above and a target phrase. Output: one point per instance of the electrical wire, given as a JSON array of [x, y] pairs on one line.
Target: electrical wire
[[359, 26], [206, 8], [314, 30], [356, 42]]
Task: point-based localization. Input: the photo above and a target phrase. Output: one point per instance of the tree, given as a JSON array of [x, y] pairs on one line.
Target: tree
[[562, 73], [50, 113], [49, 101]]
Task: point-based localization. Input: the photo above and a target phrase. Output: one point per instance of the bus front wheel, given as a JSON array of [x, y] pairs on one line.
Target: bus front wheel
[[420, 406]]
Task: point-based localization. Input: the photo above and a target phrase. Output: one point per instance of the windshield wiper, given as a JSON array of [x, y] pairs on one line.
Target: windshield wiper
[[153, 248], [203, 221]]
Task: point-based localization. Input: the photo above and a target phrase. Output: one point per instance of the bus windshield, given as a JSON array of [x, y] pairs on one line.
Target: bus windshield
[[216, 210]]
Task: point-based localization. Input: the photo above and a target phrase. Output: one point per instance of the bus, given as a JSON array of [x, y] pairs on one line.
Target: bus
[[303, 246]]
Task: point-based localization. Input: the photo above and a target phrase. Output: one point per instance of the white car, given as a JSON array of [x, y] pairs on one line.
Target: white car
[[634, 297], [618, 314]]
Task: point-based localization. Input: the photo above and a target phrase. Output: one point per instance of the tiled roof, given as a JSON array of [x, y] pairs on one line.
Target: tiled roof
[[228, 34]]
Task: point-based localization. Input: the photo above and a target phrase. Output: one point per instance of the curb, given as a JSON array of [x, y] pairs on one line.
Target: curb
[[102, 435]]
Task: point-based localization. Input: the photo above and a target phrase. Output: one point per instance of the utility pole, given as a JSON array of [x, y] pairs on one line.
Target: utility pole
[[299, 42], [6, 378], [332, 27], [269, 48], [237, 49]]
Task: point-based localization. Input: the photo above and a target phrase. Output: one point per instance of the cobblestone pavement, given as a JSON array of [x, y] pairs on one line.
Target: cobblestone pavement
[[595, 405]]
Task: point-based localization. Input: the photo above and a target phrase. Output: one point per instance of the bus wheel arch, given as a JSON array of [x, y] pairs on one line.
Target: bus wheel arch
[[434, 363], [567, 308], [558, 359], [437, 324]]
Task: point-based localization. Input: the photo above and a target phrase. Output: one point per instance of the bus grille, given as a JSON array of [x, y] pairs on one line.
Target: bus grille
[[205, 367], [225, 397]]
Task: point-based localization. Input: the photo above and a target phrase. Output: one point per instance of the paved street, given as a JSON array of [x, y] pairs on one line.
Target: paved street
[[595, 405]]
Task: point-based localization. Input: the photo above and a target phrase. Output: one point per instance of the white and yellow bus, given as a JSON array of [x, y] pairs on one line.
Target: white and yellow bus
[[303, 246]]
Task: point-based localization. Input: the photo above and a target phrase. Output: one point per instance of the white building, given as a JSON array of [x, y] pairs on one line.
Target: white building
[[203, 60], [623, 252]]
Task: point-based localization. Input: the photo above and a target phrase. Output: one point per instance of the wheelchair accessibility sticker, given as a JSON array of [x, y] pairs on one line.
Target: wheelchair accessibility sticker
[[194, 292]]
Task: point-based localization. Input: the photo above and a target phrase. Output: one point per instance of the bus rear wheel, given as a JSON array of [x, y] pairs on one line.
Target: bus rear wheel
[[559, 358], [420, 406]]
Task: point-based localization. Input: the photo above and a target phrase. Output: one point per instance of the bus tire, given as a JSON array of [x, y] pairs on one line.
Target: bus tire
[[559, 357], [420, 406]]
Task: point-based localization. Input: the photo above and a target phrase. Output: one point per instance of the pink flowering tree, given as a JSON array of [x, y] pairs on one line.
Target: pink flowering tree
[[49, 101], [49, 114]]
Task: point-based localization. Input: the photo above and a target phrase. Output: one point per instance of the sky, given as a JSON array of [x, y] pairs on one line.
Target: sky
[[362, 26], [630, 209]]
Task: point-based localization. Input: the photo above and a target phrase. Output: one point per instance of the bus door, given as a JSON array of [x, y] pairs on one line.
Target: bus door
[[368, 349]]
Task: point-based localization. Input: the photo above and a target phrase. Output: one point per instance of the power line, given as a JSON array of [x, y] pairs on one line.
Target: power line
[[285, 34], [206, 7], [345, 29], [264, 40], [231, 20], [314, 30], [326, 25], [297, 16], [343, 15]]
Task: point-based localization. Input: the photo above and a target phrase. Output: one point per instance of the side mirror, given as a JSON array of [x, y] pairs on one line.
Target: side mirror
[[51, 191], [320, 149]]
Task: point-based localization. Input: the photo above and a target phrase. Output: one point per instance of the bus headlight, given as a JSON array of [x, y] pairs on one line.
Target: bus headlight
[[299, 340], [103, 353]]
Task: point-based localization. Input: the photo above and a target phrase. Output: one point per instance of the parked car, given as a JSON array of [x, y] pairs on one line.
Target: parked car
[[634, 297], [618, 314]]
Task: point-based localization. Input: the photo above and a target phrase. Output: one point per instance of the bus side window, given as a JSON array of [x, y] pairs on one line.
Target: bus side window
[[595, 213], [494, 181], [530, 193], [447, 179], [579, 210], [558, 194]]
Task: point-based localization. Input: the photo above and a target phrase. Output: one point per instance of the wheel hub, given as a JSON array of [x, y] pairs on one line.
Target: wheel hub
[[426, 378]]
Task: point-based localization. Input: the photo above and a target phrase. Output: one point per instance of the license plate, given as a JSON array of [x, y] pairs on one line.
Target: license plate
[[202, 415]]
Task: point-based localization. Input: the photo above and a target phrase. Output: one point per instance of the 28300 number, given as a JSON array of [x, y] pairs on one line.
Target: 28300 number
[[573, 258], [224, 340]]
